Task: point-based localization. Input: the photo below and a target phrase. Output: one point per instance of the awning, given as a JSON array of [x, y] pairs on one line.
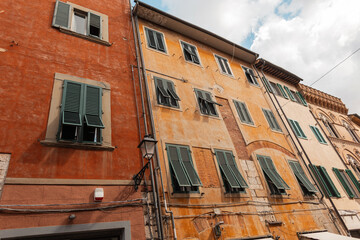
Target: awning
[[324, 236]]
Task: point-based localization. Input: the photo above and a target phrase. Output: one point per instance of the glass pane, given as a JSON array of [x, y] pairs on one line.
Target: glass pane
[[79, 22]]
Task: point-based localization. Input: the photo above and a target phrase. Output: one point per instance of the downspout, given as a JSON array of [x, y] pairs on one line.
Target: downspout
[[154, 185], [157, 200], [303, 150]]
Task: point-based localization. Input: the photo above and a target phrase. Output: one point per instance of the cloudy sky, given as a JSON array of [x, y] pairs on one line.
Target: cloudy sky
[[306, 37]]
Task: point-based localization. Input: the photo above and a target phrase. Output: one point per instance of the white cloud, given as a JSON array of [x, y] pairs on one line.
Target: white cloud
[[307, 38]]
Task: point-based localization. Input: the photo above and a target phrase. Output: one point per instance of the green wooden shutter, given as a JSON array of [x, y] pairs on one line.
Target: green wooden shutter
[[267, 84], [320, 179], [270, 173], [277, 127], [302, 98], [71, 103], [226, 63], [194, 55], [225, 170], [243, 112], [315, 133], [268, 118], [160, 42], [289, 93], [329, 181], [210, 103], [177, 167], [151, 38], [94, 25], [232, 165], [294, 128], [282, 91], [93, 111], [202, 102], [189, 167], [302, 134], [353, 179], [301, 176], [271, 165], [174, 98], [61, 15], [239, 110], [221, 64], [343, 182]]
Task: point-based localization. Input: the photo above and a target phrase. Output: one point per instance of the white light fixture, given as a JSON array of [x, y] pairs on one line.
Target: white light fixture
[[147, 147], [98, 194]]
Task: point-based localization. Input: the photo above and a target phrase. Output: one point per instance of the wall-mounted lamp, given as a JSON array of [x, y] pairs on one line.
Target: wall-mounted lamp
[[217, 229]]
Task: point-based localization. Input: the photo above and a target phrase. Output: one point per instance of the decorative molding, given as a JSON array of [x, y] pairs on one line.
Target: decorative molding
[[59, 181]]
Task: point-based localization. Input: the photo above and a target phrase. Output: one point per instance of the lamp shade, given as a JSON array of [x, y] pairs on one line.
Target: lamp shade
[[147, 147]]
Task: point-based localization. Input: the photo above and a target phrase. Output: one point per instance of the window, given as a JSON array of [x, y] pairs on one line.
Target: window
[[324, 180], [296, 96], [233, 180], [317, 134], [303, 101], [243, 112], [282, 91], [354, 164], [183, 174], [289, 93], [190, 53], [275, 88], [250, 76], [330, 128], [351, 132], [206, 104], [224, 65], [81, 113], [295, 126], [306, 186], [348, 181], [275, 182], [267, 84], [81, 21], [271, 120], [155, 40], [165, 93]]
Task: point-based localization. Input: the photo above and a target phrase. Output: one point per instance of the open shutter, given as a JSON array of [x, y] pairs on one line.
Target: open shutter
[[210, 103], [315, 133], [302, 98], [353, 179], [202, 102], [269, 172], [189, 167], [173, 96], [221, 64], [61, 15], [267, 84], [343, 182], [290, 94], [93, 112], [235, 170], [300, 174], [71, 104], [226, 171], [302, 134], [94, 25], [151, 38], [160, 42], [177, 167], [329, 181], [282, 91], [271, 165], [226, 63], [195, 57]]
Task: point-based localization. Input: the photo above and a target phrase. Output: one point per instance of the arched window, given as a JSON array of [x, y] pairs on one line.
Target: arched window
[[354, 164], [351, 132], [330, 128]]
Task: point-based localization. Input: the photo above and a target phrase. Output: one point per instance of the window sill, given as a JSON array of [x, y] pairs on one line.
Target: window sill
[[187, 195], [169, 107], [92, 39], [54, 143]]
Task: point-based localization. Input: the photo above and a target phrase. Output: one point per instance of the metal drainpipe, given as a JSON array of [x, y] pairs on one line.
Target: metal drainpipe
[[157, 201], [302, 148], [154, 185]]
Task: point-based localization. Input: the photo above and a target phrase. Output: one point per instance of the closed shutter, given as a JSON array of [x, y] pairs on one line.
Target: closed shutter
[[267, 84], [225, 169], [277, 127], [289, 93], [160, 42], [61, 15], [94, 25], [151, 38], [302, 134], [329, 181], [72, 102], [93, 110], [343, 182], [302, 98], [177, 167], [239, 110], [315, 133], [232, 165], [243, 112], [268, 118], [294, 128], [188, 166], [320, 179], [301, 176], [282, 91], [353, 179]]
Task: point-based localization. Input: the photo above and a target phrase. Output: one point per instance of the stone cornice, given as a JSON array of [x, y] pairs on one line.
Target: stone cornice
[[338, 140], [322, 99]]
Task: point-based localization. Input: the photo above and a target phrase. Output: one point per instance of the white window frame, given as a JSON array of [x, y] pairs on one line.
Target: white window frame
[[217, 56]]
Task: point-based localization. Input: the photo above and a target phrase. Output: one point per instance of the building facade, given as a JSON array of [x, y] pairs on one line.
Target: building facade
[[69, 119]]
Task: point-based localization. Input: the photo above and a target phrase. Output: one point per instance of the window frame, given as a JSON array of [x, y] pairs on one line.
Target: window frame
[[295, 126], [173, 96], [302, 178], [272, 120], [217, 58], [206, 103], [147, 37], [352, 133], [250, 76], [183, 45], [329, 126], [240, 112]]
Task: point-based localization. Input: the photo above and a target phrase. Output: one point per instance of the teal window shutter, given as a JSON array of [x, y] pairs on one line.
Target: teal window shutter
[[329, 182], [165, 93], [282, 91], [226, 172], [190, 53], [267, 84], [302, 98], [61, 15], [206, 104], [302, 134], [189, 167], [71, 104], [301, 177], [271, 120], [93, 111], [160, 42], [224, 65], [273, 169], [243, 112], [177, 167], [151, 38], [232, 165], [320, 179], [94, 25], [174, 98], [297, 129], [290, 94], [317, 134], [343, 182], [353, 179]]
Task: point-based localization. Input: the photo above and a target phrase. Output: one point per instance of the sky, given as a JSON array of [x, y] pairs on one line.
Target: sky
[[306, 37]]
